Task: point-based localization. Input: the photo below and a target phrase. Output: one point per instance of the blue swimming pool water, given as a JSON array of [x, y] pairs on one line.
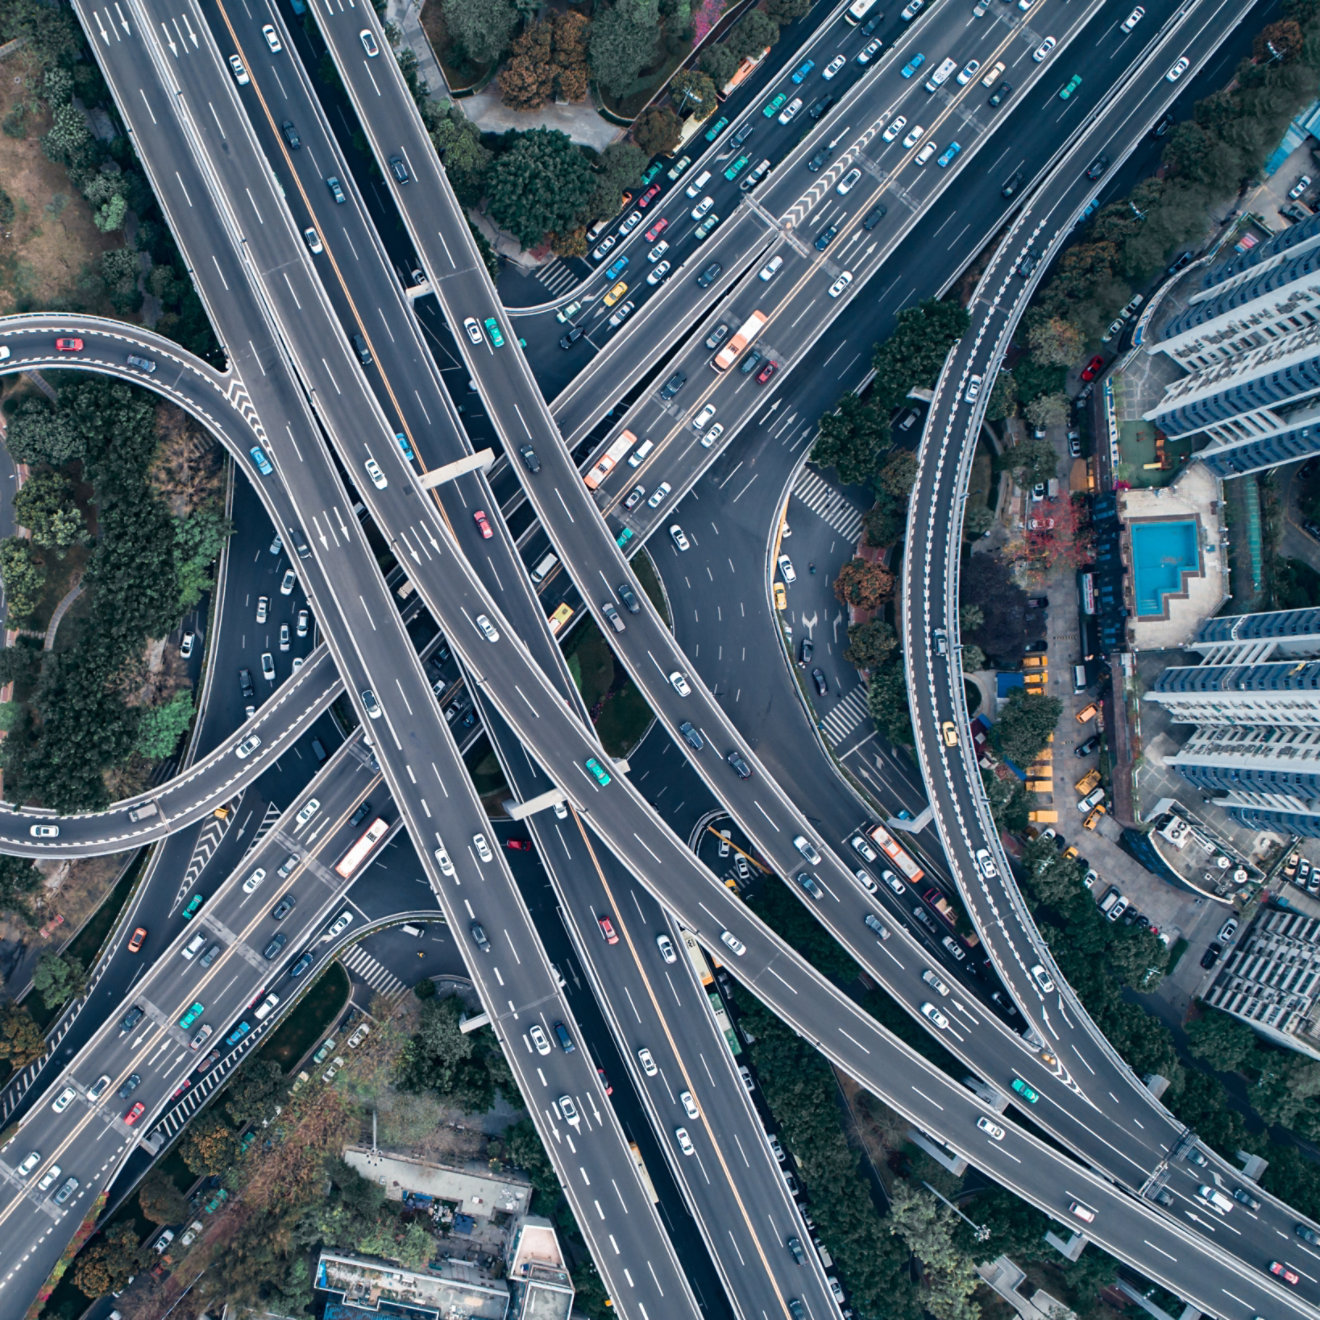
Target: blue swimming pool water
[[1161, 553]]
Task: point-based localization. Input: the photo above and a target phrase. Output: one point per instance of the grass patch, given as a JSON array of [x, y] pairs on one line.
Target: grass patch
[[486, 771], [623, 721], [594, 671], [86, 944], [644, 566], [1175, 954], [310, 1020]]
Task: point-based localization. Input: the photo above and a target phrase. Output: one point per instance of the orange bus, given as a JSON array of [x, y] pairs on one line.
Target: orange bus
[[359, 852], [609, 460], [731, 351]]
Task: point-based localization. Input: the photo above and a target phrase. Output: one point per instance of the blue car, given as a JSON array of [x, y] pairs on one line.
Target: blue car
[[405, 446], [805, 69], [617, 269], [260, 459], [238, 1033], [913, 65], [953, 150]]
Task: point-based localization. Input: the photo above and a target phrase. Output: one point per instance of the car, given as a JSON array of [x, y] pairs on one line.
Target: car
[[819, 159], [634, 497], [1298, 188], [1211, 956], [679, 682], [658, 251], [192, 1014], [284, 907], [1091, 799], [684, 1141], [766, 372], [263, 463], [949, 732], [288, 582], [666, 947], [741, 768], [973, 391], [369, 43], [611, 936], [137, 940], [691, 736], [1303, 1231], [649, 195], [1087, 747], [1244, 1197], [968, 72], [69, 345], [336, 190], [818, 678], [896, 126], [730, 940], [679, 537], [933, 1014], [378, 478], [991, 1129], [789, 112], [373, 707], [193, 904], [272, 38], [201, 1037], [912, 65], [598, 253], [494, 331], [1277, 1267], [240, 73], [1070, 87], [1044, 49], [1001, 93], [802, 70], [291, 135], [869, 51], [1178, 70], [483, 524], [44, 831], [656, 229], [947, 156], [826, 237], [1133, 19], [659, 273], [473, 329], [1042, 979], [806, 848], [1028, 1093], [712, 435], [540, 1040], [1227, 930], [1092, 368]]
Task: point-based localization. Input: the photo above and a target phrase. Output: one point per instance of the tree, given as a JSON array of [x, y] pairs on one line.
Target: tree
[[1008, 800], [106, 1263], [870, 644], [977, 520], [1048, 410], [57, 979], [752, 33], [18, 879], [21, 1041], [198, 540], [255, 1092], [787, 11], [1226, 1044], [656, 130], [887, 702], [852, 439], [973, 658], [110, 215], [417, 1247], [209, 1146], [899, 474], [623, 42], [1003, 401], [121, 268], [441, 1058], [1277, 41], [23, 579], [693, 93], [970, 617], [163, 726], [539, 186], [721, 63], [570, 54], [481, 27], [161, 1201], [527, 81], [863, 585], [1025, 724], [927, 1226], [986, 579], [1033, 461], [885, 520], [1055, 340], [619, 167], [44, 505], [458, 144], [69, 141], [913, 356]]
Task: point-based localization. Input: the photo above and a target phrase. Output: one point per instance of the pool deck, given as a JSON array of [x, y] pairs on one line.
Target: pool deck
[[1194, 494]]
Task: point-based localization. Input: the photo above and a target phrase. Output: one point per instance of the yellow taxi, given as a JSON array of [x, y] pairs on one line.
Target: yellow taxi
[[616, 293], [950, 733]]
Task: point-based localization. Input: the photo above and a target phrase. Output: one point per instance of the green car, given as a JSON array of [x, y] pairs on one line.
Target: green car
[[192, 1014], [493, 330], [652, 172], [717, 128], [1066, 92], [1025, 1091], [771, 110], [737, 168], [193, 904], [598, 770], [624, 537], [704, 228]]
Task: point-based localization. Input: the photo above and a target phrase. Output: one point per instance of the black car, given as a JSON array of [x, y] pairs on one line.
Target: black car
[[272, 950], [291, 135], [283, 907], [130, 1085], [818, 108], [629, 598], [360, 814], [1162, 126], [818, 678], [478, 933], [1012, 184], [819, 159], [795, 1246], [1211, 956], [691, 736], [709, 275], [399, 169], [1244, 1197], [874, 216], [826, 237], [1001, 93], [530, 462], [673, 385], [1087, 747], [1165, 1197], [805, 648], [742, 134], [245, 684], [1097, 167], [750, 363], [1312, 529], [132, 1017], [734, 759], [568, 340], [1038, 602], [302, 964], [1026, 266]]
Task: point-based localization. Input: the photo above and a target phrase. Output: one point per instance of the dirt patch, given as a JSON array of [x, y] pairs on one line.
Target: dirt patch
[[52, 238]]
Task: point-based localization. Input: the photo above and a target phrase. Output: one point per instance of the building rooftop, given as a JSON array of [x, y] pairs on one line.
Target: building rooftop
[[479, 1195], [454, 1290]]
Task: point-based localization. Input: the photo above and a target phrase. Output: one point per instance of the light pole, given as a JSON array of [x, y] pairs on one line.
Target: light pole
[[682, 105]]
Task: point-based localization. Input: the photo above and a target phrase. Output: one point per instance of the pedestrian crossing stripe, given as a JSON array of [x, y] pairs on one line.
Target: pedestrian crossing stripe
[[556, 277], [378, 977], [849, 711], [828, 504]]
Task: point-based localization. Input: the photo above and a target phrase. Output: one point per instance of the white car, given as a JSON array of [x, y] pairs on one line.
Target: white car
[[786, 569], [679, 537], [969, 71], [680, 683], [313, 240], [473, 329], [257, 876], [245, 748], [658, 251], [833, 67], [1042, 979], [866, 881], [371, 704], [568, 1109], [898, 124], [272, 38], [1133, 19], [973, 389], [712, 435], [689, 1104], [539, 1039], [487, 628], [378, 478], [1178, 69], [861, 845], [240, 73], [64, 1099], [1044, 48], [645, 1058], [29, 1164], [806, 848], [666, 947], [268, 666], [659, 495], [44, 832], [790, 110], [703, 418], [913, 137], [308, 810], [934, 1015], [658, 273], [482, 847], [288, 582], [442, 860], [844, 280], [771, 268], [369, 42], [847, 183], [684, 1141], [733, 942], [263, 608], [702, 207], [990, 1129]]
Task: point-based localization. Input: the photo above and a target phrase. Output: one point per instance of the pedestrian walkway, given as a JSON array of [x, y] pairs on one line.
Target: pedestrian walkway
[[376, 975], [826, 503], [849, 711], [557, 277]]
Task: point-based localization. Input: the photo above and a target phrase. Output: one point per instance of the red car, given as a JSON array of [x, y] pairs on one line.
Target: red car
[[1092, 368], [69, 345], [181, 1088], [607, 929], [135, 944], [1285, 1272], [605, 1081], [519, 845], [135, 1113], [645, 198], [480, 519], [656, 230], [766, 372]]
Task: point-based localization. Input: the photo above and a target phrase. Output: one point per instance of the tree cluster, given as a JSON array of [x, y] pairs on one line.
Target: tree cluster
[[750, 35], [624, 41], [1001, 632], [1024, 725], [549, 62], [467, 1069]]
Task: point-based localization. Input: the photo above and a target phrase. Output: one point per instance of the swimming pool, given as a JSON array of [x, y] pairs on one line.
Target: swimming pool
[[1161, 553]]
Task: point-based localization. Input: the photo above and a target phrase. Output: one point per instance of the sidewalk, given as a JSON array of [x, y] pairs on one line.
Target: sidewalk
[[406, 15], [578, 119]]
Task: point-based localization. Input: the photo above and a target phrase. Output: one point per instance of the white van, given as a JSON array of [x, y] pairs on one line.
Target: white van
[[1079, 678], [638, 456], [698, 183], [543, 567], [940, 75], [194, 947], [267, 1007], [1216, 1198]]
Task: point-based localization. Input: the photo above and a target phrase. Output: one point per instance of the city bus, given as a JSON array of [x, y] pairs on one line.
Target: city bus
[[609, 460], [731, 351], [741, 74], [560, 617], [359, 852], [891, 849], [642, 1173], [858, 10]]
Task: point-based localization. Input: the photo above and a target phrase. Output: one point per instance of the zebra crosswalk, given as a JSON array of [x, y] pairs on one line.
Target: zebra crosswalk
[[557, 277], [849, 711], [827, 503], [375, 974]]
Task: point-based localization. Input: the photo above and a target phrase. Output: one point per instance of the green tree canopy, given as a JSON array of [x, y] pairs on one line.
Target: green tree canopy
[[1025, 724], [161, 1201], [23, 578], [482, 28], [161, 727], [656, 130], [870, 644], [887, 701], [540, 186], [57, 979], [45, 506], [853, 439], [623, 42], [1033, 460]]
